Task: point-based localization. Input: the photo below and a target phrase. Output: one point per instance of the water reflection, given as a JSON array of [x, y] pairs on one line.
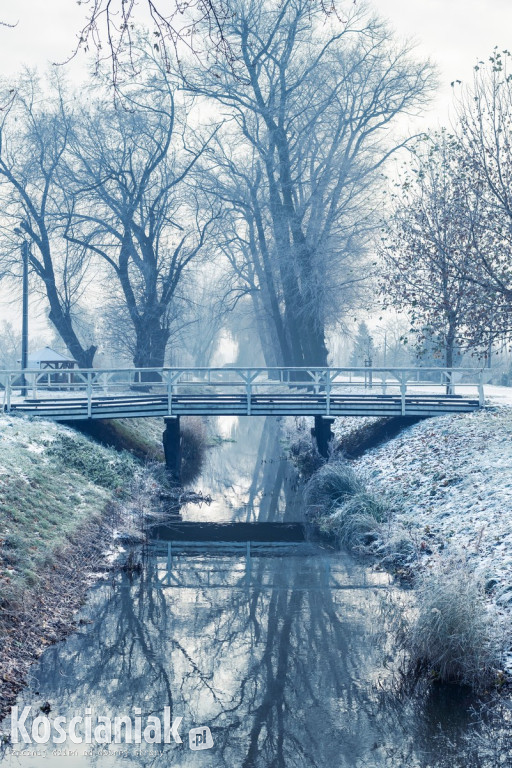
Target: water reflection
[[248, 477], [289, 669], [282, 675]]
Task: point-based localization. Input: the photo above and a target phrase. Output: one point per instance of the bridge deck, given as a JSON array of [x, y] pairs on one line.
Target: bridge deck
[[134, 393], [239, 405]]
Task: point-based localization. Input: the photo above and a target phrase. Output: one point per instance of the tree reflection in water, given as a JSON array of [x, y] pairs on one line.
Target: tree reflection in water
[[286, 673], [278, 673]]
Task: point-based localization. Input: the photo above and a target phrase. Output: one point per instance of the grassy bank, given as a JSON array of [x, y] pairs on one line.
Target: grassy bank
[[67, 498], [59, 494], [432, 505], [143, 439]]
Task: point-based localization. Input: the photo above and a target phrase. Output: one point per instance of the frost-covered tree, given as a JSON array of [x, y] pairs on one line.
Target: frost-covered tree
[[134, 206], [428, 251], [485, 136], [35, 127], [310, 107]]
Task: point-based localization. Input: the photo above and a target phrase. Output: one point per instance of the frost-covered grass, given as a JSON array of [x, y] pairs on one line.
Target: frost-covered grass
[[449, 483], [330, 487], [454, 637], [434, 505], [338, 503], [143, 437], [194, 443], [52, 481]]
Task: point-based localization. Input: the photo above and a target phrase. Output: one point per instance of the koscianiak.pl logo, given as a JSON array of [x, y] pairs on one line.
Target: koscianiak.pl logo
[[103, 729]]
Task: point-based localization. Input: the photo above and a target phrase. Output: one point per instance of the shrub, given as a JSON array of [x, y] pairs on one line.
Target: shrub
[[330, 487], [453, 638], [305, 455], [356, 522]]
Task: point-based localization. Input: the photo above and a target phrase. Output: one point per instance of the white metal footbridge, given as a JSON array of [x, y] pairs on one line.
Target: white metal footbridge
[[71, 395]]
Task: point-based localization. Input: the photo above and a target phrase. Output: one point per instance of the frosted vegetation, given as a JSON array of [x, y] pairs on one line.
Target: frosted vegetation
[[431, 506]]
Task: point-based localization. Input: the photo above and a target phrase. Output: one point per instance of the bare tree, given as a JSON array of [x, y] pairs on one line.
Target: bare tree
[[177, 27], [34, 136], [134, 204], [311, 110]]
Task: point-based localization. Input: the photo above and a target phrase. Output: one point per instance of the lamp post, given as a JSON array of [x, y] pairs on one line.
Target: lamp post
[[24, 319], [24, 323]]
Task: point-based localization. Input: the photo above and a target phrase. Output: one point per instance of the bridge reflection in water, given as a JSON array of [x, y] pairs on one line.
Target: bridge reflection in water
[[291, 669]]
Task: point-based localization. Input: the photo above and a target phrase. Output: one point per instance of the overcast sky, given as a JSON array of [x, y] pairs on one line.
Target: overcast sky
[[453, 33]]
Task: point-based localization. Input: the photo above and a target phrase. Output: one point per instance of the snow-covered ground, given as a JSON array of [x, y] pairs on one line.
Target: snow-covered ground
[[449, 482]]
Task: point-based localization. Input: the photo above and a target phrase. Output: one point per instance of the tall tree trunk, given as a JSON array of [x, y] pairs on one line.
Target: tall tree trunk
[[268, 285], [59, 316], [289, 282], [63, 324], [150, 347], [314, 350]]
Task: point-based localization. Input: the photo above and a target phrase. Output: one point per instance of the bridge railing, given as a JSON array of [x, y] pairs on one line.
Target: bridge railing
[[90, 384]]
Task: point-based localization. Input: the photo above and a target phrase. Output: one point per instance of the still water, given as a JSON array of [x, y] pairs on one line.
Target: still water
[[285, 657]]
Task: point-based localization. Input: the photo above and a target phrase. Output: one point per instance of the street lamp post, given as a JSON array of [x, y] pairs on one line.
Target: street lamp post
[[24, 324], [24, 317]]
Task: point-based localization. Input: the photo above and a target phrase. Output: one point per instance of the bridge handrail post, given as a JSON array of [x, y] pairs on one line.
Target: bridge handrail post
[[8, 392], [169, 394], [89, 394], [248, 388], [481, 397], [447, 380], [169, 561], [328, 393], [403, 390]]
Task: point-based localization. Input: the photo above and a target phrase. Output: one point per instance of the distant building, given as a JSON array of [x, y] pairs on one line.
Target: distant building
[[48, 359]]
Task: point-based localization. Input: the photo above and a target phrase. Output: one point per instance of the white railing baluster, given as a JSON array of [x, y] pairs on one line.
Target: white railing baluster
[[248, 389], [89, 394], [169, 395], [481, 398], [9, 391], [327, 393], [403, 391]]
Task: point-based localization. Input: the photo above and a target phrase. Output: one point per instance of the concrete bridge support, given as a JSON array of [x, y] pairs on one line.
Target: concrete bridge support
[[322, 432], [171, 439]]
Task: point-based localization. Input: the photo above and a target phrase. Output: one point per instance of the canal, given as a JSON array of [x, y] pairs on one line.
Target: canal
[[292, 665]]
